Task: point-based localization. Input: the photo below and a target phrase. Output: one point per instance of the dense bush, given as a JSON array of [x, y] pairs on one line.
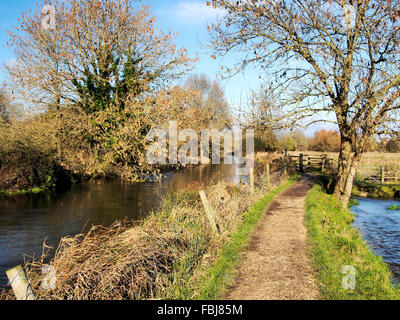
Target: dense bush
[[41, 149], [26, 156], [47, 147]]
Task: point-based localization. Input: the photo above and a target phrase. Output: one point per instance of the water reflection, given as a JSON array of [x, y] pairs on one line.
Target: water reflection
[[25, 222]]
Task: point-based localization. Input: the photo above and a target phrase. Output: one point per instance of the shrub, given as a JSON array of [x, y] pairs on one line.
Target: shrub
[[26, 156]]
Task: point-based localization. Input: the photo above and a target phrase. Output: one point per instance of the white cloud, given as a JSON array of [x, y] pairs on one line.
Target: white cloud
[[11, 62], [193, 12]]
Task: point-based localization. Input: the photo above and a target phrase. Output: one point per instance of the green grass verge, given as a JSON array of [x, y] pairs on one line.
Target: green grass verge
[[34, 190], [334, 243], [222, 273], [376, 190]]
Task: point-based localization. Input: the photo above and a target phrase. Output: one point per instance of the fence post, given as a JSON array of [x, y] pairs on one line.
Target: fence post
[[252, 180], [301, 163], [268, 177], [382, 176], [285, 167], [20, 283], [323, 163], [209, 211]]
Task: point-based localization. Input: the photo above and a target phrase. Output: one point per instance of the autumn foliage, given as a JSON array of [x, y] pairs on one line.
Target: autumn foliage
[[325, 140], [95, 86]]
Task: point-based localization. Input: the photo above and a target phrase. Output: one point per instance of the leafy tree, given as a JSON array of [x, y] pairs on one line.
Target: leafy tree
[[294, 141], [99, 52], [332, 61]]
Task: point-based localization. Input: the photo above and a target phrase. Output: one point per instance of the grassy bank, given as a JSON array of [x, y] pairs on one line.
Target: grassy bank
[[34, 190], [334, 244], [376, 190]]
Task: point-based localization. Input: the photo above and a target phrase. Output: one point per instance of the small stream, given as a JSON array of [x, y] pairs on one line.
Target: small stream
[[380, 228], [27, 221]]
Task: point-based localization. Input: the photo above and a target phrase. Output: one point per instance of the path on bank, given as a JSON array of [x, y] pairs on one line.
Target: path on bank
[[275, 264]]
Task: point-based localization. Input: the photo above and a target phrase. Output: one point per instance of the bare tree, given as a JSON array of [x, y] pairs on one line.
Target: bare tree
[[210, 101], [332, 61], [261, 115]]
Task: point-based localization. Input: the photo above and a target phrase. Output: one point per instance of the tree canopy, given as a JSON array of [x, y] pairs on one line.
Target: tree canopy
[[97, 53], [327, 61]]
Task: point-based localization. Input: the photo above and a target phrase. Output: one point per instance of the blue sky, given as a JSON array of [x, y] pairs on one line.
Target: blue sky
[[188, 18]]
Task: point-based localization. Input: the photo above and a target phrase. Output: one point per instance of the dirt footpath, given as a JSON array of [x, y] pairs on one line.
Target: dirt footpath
[[275, 265]]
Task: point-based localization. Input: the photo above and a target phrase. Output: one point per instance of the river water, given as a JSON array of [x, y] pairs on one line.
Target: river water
[[380, 228], [27, 221]]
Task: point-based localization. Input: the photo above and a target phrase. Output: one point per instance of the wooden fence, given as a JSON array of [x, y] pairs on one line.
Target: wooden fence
[[382, 175], [306, 162]]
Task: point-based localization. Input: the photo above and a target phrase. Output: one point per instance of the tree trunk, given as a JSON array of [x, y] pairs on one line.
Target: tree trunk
[[350, 180], [343, 165], [347, 170]]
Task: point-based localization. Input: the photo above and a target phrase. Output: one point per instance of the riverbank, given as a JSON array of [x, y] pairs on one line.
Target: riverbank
[[374, 190], [162, 257], [64, 180], [364, 189], [336, 246]]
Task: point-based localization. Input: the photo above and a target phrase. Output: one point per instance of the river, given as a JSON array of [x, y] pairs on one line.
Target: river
[[380, 228], [27, 221]]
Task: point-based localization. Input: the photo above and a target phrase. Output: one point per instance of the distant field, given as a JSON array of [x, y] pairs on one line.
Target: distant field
[[369, 159]]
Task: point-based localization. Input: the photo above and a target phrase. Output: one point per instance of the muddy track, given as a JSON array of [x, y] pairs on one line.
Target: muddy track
[[275, 265]]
